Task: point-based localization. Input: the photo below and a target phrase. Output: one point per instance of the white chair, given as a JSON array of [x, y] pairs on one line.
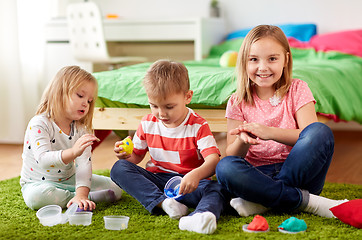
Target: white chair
[[86, 36]]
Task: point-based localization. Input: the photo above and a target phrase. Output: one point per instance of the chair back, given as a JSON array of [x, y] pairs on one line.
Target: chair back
[[86, 34]]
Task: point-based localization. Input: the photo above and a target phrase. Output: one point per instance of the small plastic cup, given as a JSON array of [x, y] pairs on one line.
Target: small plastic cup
[[116, 222], [80, 218], [172, 188], [50, 215], [70, 211]]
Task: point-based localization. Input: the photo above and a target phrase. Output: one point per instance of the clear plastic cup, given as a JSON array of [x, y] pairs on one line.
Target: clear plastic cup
[[172, 187], [50, 215], [71, 210], [116, 222], [80, 218]]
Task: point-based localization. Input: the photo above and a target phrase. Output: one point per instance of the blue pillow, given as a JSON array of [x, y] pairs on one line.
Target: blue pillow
[[302, 32]]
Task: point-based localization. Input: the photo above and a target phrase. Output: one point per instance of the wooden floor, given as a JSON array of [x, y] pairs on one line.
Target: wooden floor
[[346, 166]]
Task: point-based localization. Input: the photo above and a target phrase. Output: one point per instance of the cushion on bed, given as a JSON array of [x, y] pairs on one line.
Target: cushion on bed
[[345, 41], [349, 212], [302, 32], [349, 42]]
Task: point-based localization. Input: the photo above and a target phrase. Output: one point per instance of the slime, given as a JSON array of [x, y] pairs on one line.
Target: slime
[[293, 225], [259, 223], [172, 193]]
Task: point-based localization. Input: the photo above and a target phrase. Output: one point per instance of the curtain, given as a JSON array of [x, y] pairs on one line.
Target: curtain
[[21, 64], [11, 91]]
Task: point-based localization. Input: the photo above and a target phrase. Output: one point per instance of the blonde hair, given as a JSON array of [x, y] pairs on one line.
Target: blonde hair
[[165, 77], [244, 84], [59, 90]]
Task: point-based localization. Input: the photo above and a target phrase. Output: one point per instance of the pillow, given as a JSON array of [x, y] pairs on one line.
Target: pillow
[[302, 32], [349, 42], [349, 212]]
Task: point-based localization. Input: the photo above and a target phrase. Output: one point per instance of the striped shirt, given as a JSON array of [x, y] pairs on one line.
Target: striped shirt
[[175, 150]]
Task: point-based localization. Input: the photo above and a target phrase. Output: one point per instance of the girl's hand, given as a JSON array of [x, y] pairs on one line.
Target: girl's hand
[[258, 130], [189, 183], [82, 143], [83, 203], [120, 153], [244, 136]]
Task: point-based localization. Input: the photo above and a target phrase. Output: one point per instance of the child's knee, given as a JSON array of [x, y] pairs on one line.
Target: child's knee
[[38, 197], [119, 171], [225, 167], [318, 134]]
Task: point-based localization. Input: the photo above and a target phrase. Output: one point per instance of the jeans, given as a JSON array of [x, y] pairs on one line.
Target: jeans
[[148, 187], [282, 186]]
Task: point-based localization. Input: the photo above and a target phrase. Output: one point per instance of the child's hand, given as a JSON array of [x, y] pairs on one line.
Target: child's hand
[[255, 129], [244, 135], [119, 151], [83, 203], [82, 143], [189, 183]]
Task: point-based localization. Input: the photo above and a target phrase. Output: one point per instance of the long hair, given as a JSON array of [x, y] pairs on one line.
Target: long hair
[[244, 84], [59, 90]]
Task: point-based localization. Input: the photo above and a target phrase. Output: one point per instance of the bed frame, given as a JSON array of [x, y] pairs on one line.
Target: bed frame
[[129, 118]]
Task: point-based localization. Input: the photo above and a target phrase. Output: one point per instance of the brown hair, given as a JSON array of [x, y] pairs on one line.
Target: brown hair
[[59, 90], [165, 77], [244, 85]]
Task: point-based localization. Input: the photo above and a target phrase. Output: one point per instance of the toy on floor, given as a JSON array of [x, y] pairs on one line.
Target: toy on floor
[[127, 145], [293, 225], [349, 212], [258, 225]]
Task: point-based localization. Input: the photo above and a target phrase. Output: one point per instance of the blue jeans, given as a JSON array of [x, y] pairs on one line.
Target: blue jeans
[[147, 188], [282, 186]]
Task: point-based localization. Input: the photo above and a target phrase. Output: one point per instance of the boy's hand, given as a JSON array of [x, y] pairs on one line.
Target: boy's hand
[[189, 183], [119, 151]]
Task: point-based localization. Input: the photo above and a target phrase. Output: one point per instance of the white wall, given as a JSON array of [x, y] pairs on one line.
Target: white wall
[[144, 8], [329, 15]]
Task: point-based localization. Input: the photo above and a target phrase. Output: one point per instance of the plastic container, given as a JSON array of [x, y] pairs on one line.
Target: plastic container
[[50, 215], [172, 187], [116, 222], [80, 218], [71, 210]]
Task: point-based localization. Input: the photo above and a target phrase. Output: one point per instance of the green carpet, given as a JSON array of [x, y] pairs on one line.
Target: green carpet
[[17, 221]]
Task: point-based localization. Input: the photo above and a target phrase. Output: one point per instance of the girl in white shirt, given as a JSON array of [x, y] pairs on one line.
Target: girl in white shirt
[[57, 167]]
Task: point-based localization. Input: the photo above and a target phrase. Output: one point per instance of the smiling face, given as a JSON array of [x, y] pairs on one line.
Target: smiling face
[[265, 64], [171, 110], [77, 107]]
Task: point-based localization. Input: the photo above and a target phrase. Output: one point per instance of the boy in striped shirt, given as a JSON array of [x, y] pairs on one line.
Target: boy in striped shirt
[[180, 143]]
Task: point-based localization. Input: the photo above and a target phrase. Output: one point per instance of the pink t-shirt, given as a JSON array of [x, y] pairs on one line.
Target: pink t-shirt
[[280, 116]]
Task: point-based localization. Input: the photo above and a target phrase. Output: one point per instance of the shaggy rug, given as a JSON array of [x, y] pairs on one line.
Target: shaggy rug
[[17, 221]]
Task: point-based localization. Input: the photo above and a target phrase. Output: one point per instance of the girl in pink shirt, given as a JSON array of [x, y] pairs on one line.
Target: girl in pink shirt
[[278, 153]]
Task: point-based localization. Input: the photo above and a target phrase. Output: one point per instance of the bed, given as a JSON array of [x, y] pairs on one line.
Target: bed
[[331, 64]]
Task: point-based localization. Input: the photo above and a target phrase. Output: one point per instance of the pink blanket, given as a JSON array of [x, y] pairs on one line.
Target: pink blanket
[[349, 42]]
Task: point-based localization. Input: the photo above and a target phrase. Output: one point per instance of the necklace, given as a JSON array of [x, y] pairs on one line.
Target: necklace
[[274, 100]]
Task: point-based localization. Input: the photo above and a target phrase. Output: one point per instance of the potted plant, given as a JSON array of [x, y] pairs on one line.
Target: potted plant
[[215, 10]]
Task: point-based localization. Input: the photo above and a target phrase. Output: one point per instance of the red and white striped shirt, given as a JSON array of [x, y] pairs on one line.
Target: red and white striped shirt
[[175, 150]]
